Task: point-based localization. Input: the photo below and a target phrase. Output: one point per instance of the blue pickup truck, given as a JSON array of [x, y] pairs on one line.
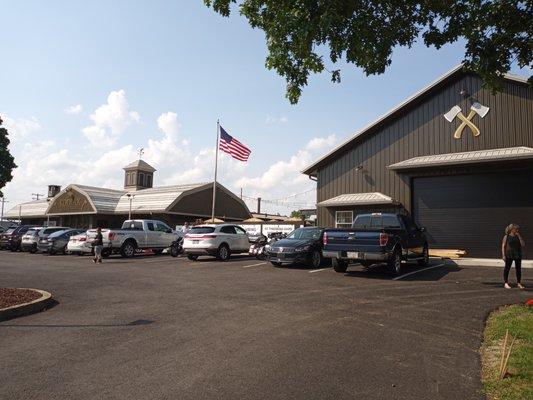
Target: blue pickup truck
[[376, 238]]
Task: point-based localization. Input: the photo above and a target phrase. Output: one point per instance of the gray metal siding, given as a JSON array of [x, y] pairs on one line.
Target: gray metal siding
[[422, 130]]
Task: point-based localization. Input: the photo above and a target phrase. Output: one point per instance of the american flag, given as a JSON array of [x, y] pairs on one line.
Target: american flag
[[228, 144]]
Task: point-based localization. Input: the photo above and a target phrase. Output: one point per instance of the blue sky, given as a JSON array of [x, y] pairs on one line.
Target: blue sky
[[179, 63]]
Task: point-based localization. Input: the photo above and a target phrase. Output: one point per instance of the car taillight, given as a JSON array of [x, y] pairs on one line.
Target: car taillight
[[82, 239], [111, 235], [383, 239], [325, 238]]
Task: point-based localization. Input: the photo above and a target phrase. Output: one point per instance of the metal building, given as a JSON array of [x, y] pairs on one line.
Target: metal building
[[455, 156]]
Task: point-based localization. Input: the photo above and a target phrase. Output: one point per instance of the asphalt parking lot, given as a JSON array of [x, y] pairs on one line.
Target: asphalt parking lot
[[155, 327]]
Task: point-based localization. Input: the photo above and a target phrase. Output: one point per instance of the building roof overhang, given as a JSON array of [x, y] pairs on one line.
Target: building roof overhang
[[358, 199], [467, 157], [443, 80]]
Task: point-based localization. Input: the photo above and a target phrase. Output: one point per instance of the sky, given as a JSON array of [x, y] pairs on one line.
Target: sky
[[85, 85]]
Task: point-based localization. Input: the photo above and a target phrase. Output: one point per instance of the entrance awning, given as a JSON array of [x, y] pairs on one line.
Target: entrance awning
[[467, 157], [357, 199]]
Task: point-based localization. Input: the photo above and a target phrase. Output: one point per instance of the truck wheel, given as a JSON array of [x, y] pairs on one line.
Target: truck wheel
[[223, 252], [425, 258], [339, 265], [395, 263], [192, 257], [127, 250]]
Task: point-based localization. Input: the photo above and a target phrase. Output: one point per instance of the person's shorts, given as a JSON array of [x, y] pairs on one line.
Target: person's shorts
[[98, 250]]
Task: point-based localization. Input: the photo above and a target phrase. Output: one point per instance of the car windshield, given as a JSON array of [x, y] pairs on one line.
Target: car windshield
[[10, 230], [304, 234], [33, 231], [376, 221], [198, 230]]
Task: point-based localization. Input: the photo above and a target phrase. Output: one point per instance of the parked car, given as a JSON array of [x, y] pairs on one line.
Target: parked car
[[376, 238], [57, 241], [78, 244], [220, 241], [31, 238], [136, 234], [11, 239], [302, 245]]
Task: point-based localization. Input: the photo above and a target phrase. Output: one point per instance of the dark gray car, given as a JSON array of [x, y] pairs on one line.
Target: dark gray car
[[57, 241]]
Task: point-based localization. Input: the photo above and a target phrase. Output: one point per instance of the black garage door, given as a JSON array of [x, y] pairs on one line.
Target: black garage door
[[471, 211]]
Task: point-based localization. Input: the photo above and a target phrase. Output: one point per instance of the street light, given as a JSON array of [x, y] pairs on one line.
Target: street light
[[130, 197], [47, 214]]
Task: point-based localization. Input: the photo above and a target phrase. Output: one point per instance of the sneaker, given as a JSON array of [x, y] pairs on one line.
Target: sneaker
[[506, 285], [520, 286], [94, 260]]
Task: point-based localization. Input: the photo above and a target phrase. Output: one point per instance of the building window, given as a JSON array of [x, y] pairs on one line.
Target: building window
[[343, 219], [141, 179], [149, 181]]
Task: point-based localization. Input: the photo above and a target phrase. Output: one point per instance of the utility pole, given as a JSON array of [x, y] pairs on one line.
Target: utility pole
[[259, 205], [241, 193], [3, 201], [36, 196]]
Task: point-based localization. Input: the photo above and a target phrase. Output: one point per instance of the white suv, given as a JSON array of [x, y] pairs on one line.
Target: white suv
[[216, 240]]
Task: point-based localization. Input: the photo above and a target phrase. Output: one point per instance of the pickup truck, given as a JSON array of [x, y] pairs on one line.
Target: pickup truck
[[376, 238], [136, 234]]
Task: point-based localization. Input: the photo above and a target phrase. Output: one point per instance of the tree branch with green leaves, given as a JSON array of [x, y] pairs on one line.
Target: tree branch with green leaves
[[7, 162], [364, 33]]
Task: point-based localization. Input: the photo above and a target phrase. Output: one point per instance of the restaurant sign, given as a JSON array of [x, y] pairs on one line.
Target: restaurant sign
[[71, 202]]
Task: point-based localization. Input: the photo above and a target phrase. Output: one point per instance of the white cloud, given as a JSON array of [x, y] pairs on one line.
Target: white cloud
[[20, 128], [110, 120], [74, 110]]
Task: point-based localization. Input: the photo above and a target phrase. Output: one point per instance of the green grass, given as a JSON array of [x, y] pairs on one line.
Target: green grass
[[518, 385]]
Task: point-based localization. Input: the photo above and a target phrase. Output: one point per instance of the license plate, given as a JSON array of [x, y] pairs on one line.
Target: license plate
[[195, 241], [353, 254]]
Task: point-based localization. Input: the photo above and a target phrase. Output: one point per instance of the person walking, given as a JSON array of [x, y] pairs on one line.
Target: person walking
[[512, 244], [98, 244]]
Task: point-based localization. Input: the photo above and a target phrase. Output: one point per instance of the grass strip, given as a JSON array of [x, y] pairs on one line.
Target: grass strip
[[518, 384]]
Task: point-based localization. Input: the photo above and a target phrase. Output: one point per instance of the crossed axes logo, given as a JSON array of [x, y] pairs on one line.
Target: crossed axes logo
[[456, 111]]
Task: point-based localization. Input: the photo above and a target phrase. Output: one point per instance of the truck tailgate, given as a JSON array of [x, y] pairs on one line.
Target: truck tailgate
[[352, 240]]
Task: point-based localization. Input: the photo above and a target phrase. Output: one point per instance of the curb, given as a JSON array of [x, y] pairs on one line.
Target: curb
[[483, 262], [27, 308]]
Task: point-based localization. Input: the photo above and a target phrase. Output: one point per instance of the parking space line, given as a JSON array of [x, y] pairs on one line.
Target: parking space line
[[254, 265], [416, 272], [318, 270]]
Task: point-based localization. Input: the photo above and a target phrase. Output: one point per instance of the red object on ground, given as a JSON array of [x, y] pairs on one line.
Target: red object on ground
[[529, 302]]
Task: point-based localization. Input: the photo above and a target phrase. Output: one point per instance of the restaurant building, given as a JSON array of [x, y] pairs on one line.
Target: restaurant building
[[81, 206], [454, 156]]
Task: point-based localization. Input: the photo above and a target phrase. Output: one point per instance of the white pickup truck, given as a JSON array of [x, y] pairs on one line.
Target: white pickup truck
[[136, 234]]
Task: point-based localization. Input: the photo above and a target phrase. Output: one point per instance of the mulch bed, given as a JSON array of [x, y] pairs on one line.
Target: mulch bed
[[12, 297]]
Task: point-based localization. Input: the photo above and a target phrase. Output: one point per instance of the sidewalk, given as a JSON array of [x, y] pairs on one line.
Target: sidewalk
[[483, 262]]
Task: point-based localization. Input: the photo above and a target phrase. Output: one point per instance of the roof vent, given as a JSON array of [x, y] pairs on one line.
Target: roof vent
[[53, 190]]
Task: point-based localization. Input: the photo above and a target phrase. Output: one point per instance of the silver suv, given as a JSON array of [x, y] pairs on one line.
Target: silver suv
[[216, 240]]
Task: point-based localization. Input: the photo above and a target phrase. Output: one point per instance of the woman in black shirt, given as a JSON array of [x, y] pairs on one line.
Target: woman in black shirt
[[512, 244]]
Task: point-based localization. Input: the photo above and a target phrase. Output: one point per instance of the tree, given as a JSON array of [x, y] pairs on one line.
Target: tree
[[498, 33], [7, 162], [296, 214]]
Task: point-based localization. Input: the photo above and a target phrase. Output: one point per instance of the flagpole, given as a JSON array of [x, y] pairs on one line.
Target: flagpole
[[215, 181]]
